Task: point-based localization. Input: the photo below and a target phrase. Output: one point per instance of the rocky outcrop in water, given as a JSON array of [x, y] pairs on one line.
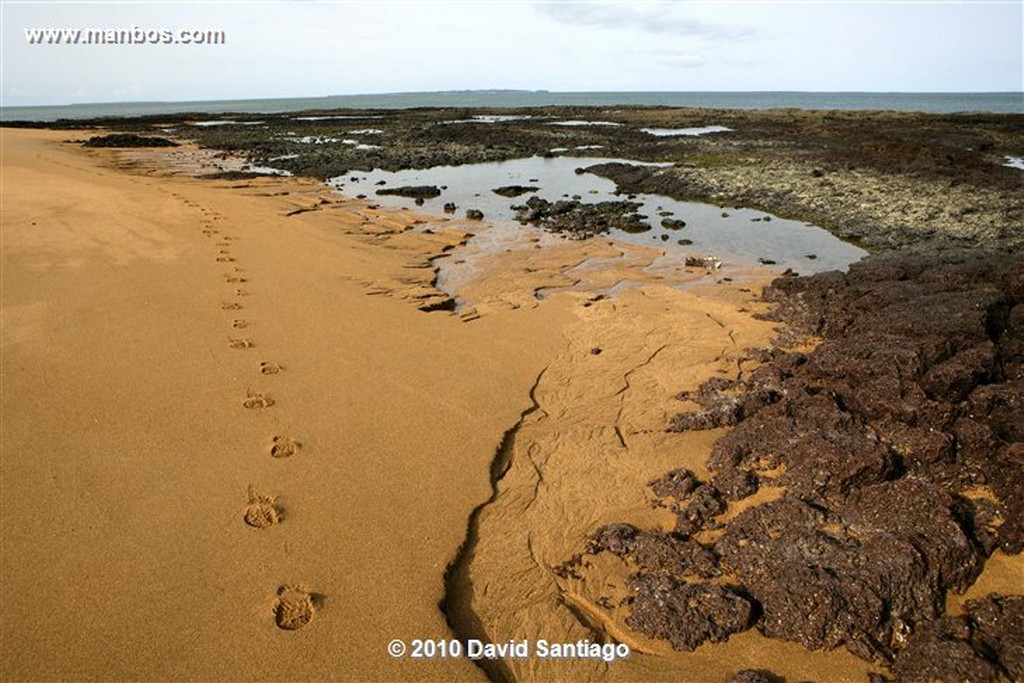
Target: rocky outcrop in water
[[514, 190], [579, 220], [412, 191]]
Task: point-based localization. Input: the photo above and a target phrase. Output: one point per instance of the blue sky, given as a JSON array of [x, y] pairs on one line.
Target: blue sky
[[310, 48]]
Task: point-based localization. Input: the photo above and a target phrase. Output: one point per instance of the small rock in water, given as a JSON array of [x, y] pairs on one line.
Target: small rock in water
[[673, 223], [450, 207], [474, 214], [514, 190], [711, 262]]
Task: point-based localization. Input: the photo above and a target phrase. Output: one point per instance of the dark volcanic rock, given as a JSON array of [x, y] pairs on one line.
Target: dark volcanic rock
[[676, 484], [128, 140], [755, 676], [619, 539], [514, 190], [576, 219], [412, 191], [882, 436], [941, 651], [998, 625], [661, 553], [686, 614]]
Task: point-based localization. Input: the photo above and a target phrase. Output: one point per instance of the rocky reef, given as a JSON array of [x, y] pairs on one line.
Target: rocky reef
[[897, 444]]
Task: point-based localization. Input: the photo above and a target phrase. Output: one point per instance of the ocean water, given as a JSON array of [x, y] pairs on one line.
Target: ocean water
[[998, 102]]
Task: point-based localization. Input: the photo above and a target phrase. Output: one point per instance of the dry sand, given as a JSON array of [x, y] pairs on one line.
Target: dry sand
[[164, 338]]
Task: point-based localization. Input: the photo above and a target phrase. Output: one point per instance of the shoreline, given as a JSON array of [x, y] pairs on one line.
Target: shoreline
[[272, 438], [126, 300]]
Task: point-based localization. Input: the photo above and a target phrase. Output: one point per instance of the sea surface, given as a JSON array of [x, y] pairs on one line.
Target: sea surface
[[998, 102]]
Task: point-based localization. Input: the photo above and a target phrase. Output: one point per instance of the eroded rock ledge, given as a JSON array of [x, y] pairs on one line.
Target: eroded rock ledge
[[898, 442]]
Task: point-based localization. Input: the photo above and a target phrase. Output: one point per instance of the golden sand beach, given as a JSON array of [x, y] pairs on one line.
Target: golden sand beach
[[235, 449]]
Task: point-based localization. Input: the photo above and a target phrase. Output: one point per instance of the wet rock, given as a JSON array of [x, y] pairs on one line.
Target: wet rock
[[128, 140], [673, 223], [709, 262], [700, 507], [677, 484], [450, 207], [663, 553], [756, 676], [514, 190], [580, 220], [618, 539], [941, 651], [412, 191], [474, 215], [735, 484], [998, 627], [685, 614]]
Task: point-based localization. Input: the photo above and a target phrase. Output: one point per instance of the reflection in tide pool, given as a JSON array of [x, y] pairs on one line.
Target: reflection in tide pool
[[740, 237]]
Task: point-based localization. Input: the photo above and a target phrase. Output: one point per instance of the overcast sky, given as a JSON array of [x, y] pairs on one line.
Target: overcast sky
[[311, 48]]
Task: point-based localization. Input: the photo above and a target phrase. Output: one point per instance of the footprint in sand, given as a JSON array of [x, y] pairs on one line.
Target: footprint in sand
[[240, 343], [224, 259], [230, 306], [284, 447], [269, 368], [239, 324], [242, 292], [234, 279], [293, 608], [257, 401], [261, 511]]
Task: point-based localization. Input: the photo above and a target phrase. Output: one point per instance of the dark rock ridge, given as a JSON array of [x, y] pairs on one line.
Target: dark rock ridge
[[579, 220], [899, 441], [514, 190], [412, 191], [128, 140]]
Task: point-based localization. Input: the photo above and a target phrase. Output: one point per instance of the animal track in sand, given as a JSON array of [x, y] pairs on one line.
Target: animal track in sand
[[261, 511], [236, 343], [269, 368], [293, 608], [257, 401], [224, 259], [239, 324], [230, 306], [242, 292], [234, 279], [284, 447]]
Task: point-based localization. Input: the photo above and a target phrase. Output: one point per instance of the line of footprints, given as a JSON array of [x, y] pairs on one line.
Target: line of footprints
[[293, 606]]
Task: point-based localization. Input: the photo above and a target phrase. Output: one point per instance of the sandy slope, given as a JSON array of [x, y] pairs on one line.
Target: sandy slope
[[128, 451]]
